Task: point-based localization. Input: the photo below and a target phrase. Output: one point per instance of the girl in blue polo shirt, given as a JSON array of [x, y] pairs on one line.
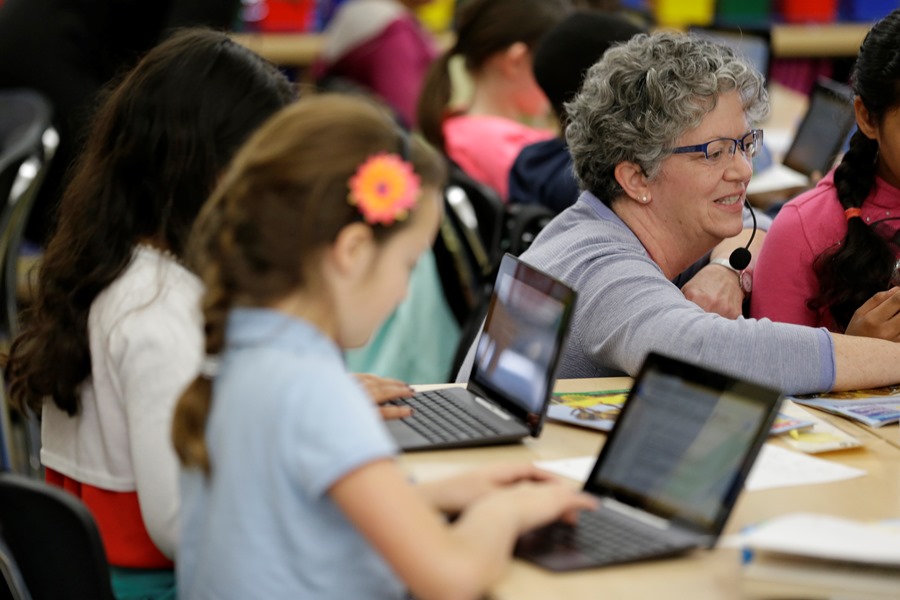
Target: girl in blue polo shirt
[[289, 484]]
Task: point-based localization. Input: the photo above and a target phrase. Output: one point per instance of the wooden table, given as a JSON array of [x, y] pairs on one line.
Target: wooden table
[[714, 574], [788, 40]]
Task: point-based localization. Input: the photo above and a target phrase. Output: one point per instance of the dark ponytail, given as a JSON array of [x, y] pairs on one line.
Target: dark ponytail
[[436, 91], [863, 263]]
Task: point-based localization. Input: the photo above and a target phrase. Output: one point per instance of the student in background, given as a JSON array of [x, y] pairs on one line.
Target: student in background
[[542, 172], [381, 46], [290, 489], [115, 331], [832, 256], [496, 39]]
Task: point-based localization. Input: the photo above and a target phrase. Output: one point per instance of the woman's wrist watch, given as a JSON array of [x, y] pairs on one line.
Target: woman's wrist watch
[[745, 276]]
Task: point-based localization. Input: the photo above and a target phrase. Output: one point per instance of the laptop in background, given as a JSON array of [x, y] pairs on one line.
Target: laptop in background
[[669, 473], [820, 138], [513, 374]]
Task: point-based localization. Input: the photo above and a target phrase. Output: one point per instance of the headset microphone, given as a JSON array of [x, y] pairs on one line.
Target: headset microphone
[[740, 257]]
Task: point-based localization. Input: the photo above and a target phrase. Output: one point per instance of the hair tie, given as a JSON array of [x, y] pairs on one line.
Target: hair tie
[[209, 367], [853, 212]]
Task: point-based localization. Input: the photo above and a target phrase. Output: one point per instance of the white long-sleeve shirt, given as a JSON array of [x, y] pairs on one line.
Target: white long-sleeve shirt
[[146, 346]]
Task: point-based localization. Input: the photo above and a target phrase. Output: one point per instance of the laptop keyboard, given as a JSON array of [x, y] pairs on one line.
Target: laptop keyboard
[[605, 537], [439, 419]]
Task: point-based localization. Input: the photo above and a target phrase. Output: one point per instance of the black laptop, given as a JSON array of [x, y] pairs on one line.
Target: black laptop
[[820, 138], [669, 473], [513, 375]]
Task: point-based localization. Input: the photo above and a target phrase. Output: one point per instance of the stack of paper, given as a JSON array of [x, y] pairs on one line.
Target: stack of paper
[[818, 556]]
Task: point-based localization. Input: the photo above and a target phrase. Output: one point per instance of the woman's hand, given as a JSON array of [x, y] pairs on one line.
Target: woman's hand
[[382, 389], [716, 289], [879, 317], [453, 494]]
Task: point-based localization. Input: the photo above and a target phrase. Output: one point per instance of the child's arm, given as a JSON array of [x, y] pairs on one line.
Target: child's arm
[[437, 560], [452, 495]]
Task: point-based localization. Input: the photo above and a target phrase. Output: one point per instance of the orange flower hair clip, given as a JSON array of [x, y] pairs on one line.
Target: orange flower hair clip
[[384, 189]]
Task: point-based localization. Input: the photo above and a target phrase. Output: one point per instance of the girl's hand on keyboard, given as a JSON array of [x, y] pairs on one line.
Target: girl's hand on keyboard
[[541, 503], [382, 389], [453, 494]]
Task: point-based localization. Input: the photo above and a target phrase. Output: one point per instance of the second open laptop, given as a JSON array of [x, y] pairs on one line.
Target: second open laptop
[[820, 138], [513, 375], [669, 473]]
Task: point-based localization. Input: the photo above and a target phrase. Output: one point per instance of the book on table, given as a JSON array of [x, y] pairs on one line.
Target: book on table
[[806, 555], [873, 407], [599, 409]]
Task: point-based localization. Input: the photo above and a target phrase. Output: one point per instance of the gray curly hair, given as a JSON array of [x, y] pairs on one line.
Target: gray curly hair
[[643, 95]]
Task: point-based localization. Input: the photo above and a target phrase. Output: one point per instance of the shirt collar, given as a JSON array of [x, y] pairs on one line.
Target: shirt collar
[[249, 327]]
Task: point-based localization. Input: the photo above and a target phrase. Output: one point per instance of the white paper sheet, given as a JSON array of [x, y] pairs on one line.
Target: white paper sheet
[[775, 467]]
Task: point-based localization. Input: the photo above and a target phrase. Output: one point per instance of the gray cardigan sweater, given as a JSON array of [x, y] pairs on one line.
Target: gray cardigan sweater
[[626, 308]]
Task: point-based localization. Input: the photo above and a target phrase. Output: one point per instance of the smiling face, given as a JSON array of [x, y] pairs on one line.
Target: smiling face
[[697, 201]]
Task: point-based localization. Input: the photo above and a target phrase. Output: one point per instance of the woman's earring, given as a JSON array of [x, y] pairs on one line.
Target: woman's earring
[[645, 199]]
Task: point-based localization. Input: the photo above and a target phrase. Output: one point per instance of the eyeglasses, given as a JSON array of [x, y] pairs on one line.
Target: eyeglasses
[[720, 148]]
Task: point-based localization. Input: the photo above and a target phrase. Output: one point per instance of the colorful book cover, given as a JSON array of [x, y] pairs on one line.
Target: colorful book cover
[[595, 410], [873, 407], [598, 410]]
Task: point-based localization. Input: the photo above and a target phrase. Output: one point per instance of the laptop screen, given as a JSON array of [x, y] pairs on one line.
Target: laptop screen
[[823, 130], [522, 339], [684, 443]]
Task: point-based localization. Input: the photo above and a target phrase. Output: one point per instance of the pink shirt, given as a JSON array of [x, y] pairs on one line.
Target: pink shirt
[[485, 147], [391, 61], [784, 279]]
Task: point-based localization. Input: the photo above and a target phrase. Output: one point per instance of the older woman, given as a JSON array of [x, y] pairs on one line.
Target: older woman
[[662, 135]]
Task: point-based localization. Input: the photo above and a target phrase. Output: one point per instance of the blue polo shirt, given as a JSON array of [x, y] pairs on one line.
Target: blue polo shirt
[[287, 422]]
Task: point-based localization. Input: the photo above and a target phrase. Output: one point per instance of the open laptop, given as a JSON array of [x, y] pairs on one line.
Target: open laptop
[[821, 136], [513, 375], [669, 473]]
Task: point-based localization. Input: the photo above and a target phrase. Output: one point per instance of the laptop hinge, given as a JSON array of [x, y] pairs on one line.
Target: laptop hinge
[[635, 513], [492, 408]]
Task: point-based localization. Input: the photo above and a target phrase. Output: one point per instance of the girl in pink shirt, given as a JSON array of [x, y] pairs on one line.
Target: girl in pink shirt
[[831, 258], [495, 38]]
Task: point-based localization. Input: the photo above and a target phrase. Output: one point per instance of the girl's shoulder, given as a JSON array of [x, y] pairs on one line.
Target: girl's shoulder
[[493, 127], [153, 285]]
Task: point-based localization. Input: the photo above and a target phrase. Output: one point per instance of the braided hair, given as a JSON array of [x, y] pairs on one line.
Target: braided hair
[[863, 263]]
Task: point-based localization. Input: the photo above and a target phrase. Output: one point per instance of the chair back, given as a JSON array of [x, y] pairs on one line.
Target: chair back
[[522, 224], [467, 250], [52, 543], [27, 144]]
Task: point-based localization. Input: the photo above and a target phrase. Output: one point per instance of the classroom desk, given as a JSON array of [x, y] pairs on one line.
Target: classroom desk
[[889, 433], [788, 40], [713, 575], [298, 50], [811, 40]]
